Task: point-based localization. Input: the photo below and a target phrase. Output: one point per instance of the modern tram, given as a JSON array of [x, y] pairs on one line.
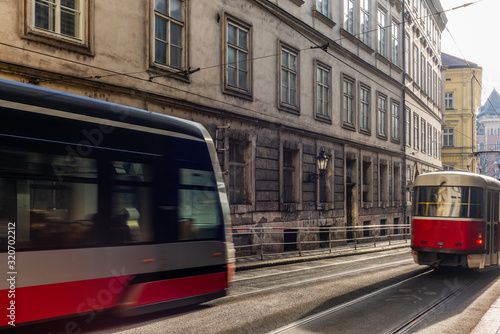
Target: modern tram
[[106, 207], [455, 220]]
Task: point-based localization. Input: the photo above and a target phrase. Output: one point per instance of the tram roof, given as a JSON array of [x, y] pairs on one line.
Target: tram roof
[[456, 178], [30, 95]]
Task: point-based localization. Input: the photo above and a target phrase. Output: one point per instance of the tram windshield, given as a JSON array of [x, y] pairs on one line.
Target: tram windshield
[[448, 201]]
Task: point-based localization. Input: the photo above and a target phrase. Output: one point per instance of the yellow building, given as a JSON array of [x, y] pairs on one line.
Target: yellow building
[[462, 99]]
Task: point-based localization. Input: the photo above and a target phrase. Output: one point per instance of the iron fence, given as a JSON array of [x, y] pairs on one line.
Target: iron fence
[[260, 241]]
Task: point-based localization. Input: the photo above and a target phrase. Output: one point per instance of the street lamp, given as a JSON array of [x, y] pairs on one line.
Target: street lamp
[[322, 161]]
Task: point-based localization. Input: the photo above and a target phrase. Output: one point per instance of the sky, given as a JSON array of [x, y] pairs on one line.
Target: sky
[[473, 34]]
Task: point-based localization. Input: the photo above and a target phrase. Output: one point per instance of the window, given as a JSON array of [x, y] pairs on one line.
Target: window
[[237, 60], [322, 91], [395, 42], [322, 7], [415, 64], [169, 33], [382, 115], [289, 79], [434, 143], [364, 108], [349, 16], [61, 23], [198, 212], [238, 190], [364, 21], [289, 175], [348, 101], [449, 201], [429, 80], [407, 55], [383, 186], [434, 87], [429, 139], [60, 17], [423, 68], [448, 137], [367, 180], [395, 121], [439, 144], [423, 145], [381, 32], [408, 127], [415, 132], [449, 100]]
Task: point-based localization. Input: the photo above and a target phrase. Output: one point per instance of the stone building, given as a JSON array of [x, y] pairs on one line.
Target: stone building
[[462, 100], [488, 136], [276, 83]]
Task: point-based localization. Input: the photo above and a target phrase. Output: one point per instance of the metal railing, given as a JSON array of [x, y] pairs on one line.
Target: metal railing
[[256, 242]]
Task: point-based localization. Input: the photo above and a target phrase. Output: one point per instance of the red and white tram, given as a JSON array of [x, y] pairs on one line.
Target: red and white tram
[[105, 207], [455, 220]]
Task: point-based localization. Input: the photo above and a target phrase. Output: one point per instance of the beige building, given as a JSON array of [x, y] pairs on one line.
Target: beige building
[[462, 100], [276, 83]]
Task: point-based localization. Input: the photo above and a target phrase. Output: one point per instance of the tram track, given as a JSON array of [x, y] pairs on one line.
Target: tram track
[[312, 280], [414, 321]]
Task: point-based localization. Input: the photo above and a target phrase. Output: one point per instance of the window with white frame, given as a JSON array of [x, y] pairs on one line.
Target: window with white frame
[[408, 127], [429, 139], [348, 101], [364, 21], [423, 69], [237, 59], [322, 90], [448, 137], [289, 78], [434, 142], [381, 29], [434, 87], [423, 137], [416, 132], [364, 108], [415, 64], [429, 80], [449, 100], [63, 18], [395, 42], [349, 16], [407, 55], [395, 121], [169, 30], [382, 115], [322, 7]]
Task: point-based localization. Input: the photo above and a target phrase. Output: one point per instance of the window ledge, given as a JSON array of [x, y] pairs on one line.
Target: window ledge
[[326, 20], [298, 2]]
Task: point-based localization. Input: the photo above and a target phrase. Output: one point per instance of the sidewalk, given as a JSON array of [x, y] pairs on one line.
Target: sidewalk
[[275, 259], [489, 324]]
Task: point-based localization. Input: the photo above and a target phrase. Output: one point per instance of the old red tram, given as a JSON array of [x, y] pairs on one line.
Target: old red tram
[[455, 220]]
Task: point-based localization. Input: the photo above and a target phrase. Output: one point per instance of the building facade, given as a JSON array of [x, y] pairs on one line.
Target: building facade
[[462, 101], [488, 137], [276, 83]]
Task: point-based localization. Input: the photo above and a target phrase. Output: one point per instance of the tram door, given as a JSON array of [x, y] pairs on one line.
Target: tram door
[[492, 228]]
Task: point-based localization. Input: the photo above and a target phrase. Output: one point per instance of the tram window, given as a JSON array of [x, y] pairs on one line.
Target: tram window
[[47, 214], [59, 166], [132, 171], [198, 210], [464, 202], [131, 219]]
